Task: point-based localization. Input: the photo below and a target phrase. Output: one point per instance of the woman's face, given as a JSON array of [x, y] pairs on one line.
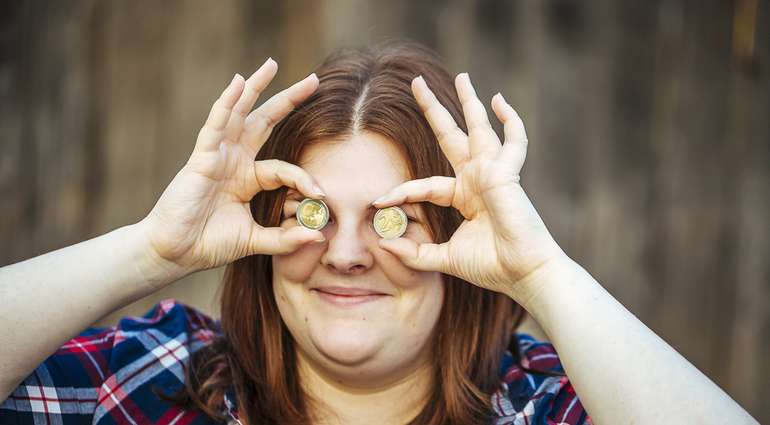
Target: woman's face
[[373, 341]]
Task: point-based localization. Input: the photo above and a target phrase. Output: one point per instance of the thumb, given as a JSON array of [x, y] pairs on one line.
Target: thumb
[[278, 240], [424, 257]]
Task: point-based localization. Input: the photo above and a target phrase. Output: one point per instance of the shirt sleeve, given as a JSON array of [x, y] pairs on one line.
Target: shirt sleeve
[[109, 373], [534, 398]]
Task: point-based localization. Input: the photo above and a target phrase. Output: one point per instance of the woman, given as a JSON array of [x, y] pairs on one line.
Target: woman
[[422, 340]]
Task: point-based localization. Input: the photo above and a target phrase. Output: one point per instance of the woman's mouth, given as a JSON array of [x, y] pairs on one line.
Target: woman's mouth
[[347, 296]]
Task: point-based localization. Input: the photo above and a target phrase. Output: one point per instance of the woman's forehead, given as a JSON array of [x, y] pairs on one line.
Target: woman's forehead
[[365, 161]]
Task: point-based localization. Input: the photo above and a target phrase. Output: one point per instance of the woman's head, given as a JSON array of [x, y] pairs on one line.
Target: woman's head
[[373, 343], [360, 134]]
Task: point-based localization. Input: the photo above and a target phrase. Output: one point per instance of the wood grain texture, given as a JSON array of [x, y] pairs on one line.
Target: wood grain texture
[[649, 126]]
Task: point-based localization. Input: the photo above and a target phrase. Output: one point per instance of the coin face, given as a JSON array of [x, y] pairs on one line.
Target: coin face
[[312, 213], [390, 223]]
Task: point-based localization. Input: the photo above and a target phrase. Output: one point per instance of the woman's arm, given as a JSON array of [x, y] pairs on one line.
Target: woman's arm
[[202, 220], [46, 300], [622, 371]]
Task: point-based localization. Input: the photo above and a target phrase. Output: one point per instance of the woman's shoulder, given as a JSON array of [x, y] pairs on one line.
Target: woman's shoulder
[[170, 319], [535, 389], [111, 374]]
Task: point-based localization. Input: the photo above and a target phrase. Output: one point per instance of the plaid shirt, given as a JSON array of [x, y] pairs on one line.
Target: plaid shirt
[[106, 376]]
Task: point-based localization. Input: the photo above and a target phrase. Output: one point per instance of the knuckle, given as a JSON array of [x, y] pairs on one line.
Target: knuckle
[[294, 170], [241, 110], [444, 133], [468, 104], [267, 164], [263, 120], [220, 104], [252, 91], [209, 133], [267, 171], [432, 107], [294, 100]]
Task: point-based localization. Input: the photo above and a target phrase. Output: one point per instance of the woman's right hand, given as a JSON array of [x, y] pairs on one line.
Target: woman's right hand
[[202, 220]]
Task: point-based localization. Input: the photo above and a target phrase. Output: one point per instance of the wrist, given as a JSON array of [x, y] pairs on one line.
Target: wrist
[[541, 284], [154, 271]]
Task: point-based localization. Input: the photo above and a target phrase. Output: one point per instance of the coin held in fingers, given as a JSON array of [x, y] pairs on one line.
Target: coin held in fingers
[[390, 223], [312, 213]]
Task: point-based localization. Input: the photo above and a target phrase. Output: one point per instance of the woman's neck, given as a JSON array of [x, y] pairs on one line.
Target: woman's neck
[[397, 402]]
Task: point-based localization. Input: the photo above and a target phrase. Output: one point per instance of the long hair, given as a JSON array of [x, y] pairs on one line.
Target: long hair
[[360, 90]]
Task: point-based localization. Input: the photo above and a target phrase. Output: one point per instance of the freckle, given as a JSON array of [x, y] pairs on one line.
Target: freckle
[[305, 319]]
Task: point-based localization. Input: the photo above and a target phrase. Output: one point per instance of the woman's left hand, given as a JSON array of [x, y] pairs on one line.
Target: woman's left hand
[[503, 239]]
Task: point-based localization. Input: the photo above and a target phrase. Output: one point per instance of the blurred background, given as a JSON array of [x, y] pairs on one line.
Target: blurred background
[[649, 125]]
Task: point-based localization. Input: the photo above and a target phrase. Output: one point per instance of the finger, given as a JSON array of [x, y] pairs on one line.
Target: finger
[[212, 132], [252, 89], [424, 257], [260, 122], [270, 174], [482, 137], [451, 138], [437, 190], [514, 150], [278, 240]]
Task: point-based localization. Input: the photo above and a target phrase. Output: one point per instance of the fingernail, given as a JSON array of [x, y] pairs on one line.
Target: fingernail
[[470, 83], [380, 200], [317, 190], [266, 63], [320, 240], [420, 79], [502, 98]]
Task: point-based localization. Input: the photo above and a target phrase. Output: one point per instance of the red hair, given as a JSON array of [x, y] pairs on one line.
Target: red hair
[[359, 90]]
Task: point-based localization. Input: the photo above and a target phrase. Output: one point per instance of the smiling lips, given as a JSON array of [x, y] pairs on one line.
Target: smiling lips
[[349, 292], [343, 297]]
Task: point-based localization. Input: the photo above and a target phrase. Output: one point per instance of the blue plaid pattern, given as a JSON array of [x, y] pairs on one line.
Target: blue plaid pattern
[[106, 376]]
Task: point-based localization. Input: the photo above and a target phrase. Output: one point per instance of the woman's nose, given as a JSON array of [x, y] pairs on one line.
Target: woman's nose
[[348, 249]]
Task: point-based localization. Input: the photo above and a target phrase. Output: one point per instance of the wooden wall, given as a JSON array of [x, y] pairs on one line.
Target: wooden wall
[[649, 127]]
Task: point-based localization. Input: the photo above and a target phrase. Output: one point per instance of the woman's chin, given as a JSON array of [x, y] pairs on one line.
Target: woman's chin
[[347, 344]]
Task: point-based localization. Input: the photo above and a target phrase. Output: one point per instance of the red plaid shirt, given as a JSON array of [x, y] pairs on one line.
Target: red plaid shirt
[[106, 376]]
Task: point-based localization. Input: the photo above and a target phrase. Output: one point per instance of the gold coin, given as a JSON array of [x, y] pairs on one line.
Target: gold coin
[[390, 223], [312, 213]]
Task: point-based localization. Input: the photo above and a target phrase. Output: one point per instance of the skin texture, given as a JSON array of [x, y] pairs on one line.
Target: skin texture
[[373, 356]]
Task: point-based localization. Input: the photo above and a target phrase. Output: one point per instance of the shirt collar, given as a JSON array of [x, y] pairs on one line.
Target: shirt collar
[[231, 408]]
